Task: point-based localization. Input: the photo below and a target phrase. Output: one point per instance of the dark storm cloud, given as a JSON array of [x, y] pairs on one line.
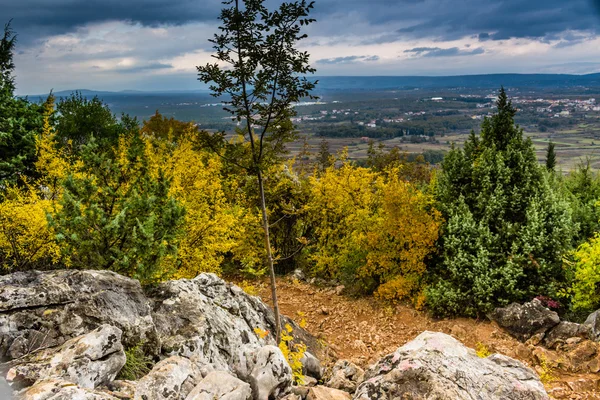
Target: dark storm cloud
[[439, 52], [34, 19], [440, 19], [347, 60]]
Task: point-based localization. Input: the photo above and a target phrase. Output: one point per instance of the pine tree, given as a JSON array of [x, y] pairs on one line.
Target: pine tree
[[550, 157], [324, 157]]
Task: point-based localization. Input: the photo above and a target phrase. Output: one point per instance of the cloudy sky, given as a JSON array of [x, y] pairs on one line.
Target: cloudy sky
[[156, 44]]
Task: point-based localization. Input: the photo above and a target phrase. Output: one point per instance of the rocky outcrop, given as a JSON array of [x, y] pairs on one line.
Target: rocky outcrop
[[346, 376], [44, 309], [209, 318], [525, 320], [89, 361], [221, 385], [437, 366]]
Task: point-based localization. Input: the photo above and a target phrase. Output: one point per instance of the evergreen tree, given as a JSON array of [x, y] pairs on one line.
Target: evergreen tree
[[20, 122], [550, 157], [324, 157], [115, 214], [7, 66], [506, 227], [81, 119]]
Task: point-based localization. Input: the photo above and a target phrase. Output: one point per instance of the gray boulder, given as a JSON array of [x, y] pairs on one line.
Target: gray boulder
[[88, 361], [171, 379], [437, 366], [271, 376], [44, 309], [593, 321], [311, 366], [221, 385], [566, 330], [346, 376], [525, 320]]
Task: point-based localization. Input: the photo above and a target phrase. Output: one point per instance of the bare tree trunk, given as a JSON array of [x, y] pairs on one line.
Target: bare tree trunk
[[265, 219]]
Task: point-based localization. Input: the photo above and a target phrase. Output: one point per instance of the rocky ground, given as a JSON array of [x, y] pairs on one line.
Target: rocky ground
[[363, 330], [69, 334]]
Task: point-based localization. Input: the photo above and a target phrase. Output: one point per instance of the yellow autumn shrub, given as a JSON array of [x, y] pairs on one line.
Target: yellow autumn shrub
[[26, 240], [372, 230]]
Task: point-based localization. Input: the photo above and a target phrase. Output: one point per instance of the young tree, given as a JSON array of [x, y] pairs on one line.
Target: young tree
[[550, 157], [262, 73]]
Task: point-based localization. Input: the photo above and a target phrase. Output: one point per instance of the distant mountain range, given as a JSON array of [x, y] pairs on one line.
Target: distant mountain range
[[465, 81], [335, 83]]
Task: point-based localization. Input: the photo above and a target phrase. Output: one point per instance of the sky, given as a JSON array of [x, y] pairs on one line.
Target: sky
[[156, 44]]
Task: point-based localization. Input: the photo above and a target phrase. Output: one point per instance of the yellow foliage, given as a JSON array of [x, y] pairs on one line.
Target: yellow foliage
[[482, 350], [293, 353], [261, 333], [372, 226], [25, 237], [545, 371], [249, 288]]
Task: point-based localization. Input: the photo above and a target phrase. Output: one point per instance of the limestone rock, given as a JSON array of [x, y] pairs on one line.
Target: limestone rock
[[271, 376], [346, 376], [89, 361], [171, 379], [326, 393], [566, 330], [205, 316], [221, 385], [44, 309], [57, 389], [437, 366], [525, 320]]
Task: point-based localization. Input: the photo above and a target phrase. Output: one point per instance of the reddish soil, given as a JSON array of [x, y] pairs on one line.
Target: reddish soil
[[362, 330]]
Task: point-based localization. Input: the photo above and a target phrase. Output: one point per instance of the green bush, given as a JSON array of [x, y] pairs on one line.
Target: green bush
[[116, 212]]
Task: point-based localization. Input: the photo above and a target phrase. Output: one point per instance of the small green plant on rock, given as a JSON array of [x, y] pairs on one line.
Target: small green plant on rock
[[137, 365]]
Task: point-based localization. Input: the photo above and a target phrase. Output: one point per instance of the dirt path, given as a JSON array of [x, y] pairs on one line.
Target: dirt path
[[362, 330]]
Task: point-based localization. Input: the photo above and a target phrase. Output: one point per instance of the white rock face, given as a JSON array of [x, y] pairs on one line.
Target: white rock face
[[88, 361], [56, 389], [271, 376], [221, 385], [171, 379], [437, 366], [208, 318], [45, 309]]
